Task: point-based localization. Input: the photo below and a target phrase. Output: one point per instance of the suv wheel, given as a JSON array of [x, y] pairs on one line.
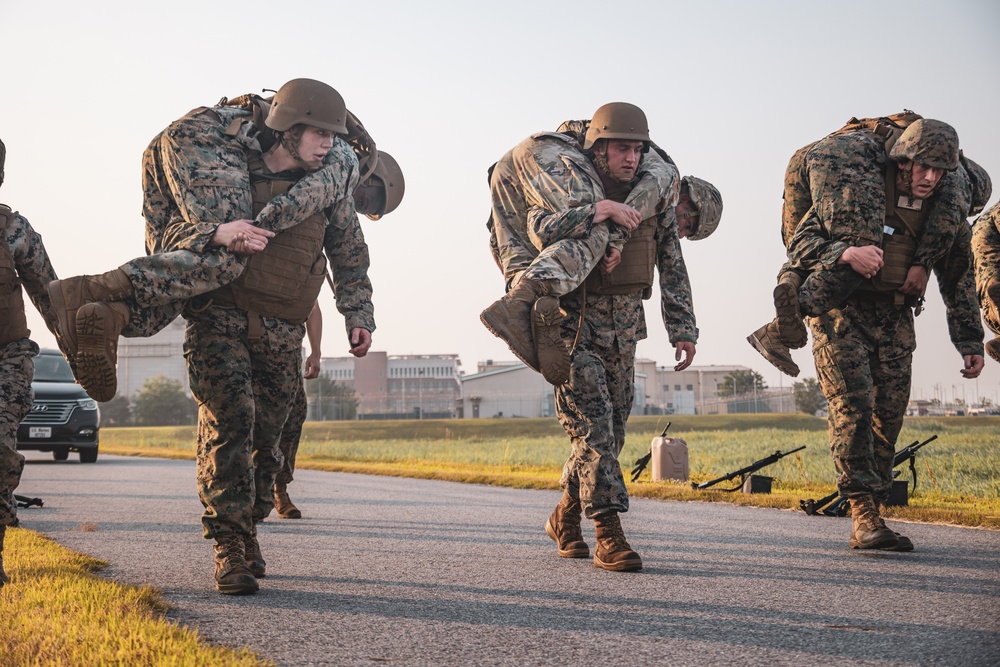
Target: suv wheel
[[88, 455], [60, 454]]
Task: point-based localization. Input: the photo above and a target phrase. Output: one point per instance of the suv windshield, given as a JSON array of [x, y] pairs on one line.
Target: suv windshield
[[52, 368]]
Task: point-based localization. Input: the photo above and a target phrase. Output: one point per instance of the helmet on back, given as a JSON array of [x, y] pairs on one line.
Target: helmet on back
[[617, 120], [931, 143], [309, 102], [708, 200], [390, 181]]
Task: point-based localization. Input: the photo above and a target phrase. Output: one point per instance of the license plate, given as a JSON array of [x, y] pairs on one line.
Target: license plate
[[40, 432]]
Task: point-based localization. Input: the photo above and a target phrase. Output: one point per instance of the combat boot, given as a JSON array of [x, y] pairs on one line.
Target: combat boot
[[791, 327], [564, 528], [553, 357], [232, 576], [766, 341], [868, 530], [993, 349], [4, 579], [68, 295], [252, 555], [283, 505], [613, 551], [98, 326], [509, 319]]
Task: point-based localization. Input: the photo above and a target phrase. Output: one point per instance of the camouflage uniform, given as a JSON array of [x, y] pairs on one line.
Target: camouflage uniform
[[986, 248], [244, 382], [34, 271], [863, 349], [844, 176], [544, 195], [194, 178], [291, 433]]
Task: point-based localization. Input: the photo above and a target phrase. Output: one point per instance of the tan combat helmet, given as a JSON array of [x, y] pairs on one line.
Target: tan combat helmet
[[708, 200], [617, 120], [390, 181], [982, 186], [931, 143], [310, 102]]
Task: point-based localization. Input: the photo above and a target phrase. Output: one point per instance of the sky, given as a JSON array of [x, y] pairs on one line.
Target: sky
[[731, 89]]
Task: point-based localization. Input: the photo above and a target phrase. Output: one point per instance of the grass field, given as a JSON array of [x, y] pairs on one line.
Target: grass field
[[958, 474]]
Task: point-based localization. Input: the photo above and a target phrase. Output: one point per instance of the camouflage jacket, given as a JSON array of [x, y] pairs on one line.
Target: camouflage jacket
[[33, 267], [956, 281], [557, 189], [986, 249], [839, 182], [196, 177]]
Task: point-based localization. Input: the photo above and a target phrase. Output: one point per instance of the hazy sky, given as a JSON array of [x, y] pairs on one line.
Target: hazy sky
[[731, 90]]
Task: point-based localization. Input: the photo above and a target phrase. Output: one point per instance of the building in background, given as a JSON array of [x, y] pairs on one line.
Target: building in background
[[142, 359]]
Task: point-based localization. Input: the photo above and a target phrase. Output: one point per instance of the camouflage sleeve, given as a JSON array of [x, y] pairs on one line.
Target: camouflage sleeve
[[986, 249], [158, 208], [508, 219], [949, 207], [956, 281], [810, 249], [313, 193], [796, 197], [676, 302], [348, 253], [207, 179], [33, 267]]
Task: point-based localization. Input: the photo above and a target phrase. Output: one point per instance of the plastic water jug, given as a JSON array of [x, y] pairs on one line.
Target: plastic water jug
[[669, 459]]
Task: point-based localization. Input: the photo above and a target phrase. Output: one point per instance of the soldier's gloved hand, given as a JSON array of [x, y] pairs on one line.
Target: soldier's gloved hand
[[686, 350], [866, 260], [611, 259], [622, 215], [916, 281], [973, 366]]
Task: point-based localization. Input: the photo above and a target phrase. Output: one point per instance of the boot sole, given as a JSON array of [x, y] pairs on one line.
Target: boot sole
[[993, 349], [96, 357], [631, 565], [67, 332], [884, 544], [565, 553], [495, 328], [792, 370], [791, 328], [548, 342], [244, 588], [290, 514]]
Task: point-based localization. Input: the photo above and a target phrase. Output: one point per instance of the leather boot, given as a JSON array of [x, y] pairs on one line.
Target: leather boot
[[4, 579], [905, 543], [564, 528], [68, 295], [232, 576], [766, 341], [98, 326], [993, 349], [283, 505], [868, 530], [612, 551], [252, 555], [553, 357], [791, 327], [509, 319]]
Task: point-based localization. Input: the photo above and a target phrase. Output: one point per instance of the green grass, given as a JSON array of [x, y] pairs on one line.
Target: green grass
[[959, 474], [56, 611]]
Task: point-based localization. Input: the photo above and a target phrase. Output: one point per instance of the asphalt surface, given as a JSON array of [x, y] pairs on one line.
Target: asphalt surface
[[415, 572]]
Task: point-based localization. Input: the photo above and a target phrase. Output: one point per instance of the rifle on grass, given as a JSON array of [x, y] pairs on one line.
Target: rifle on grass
[[743, 472], [643, 461], [25, 501], [838, 506]]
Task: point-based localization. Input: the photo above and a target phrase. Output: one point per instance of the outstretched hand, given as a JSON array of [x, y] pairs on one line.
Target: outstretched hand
[[685, 350]]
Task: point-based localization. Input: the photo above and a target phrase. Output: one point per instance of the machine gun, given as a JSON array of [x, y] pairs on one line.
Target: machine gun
[[643, 461], [839, 507], [743, 472], [25, 501]]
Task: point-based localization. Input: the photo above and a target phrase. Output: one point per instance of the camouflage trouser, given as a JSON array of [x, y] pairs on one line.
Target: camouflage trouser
[[565, 264], [243, 387], [16, 373], [822, 291], [290, 434], [593, 408], [863, 354], [986, 249]]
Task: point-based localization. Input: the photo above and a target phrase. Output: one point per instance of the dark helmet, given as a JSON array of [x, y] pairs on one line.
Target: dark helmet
[[928, 142], [389, 179], [310, 102], [617, 120], [708, 200]]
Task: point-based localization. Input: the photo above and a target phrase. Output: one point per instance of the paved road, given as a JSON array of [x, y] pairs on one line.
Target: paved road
[[435, 573]]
